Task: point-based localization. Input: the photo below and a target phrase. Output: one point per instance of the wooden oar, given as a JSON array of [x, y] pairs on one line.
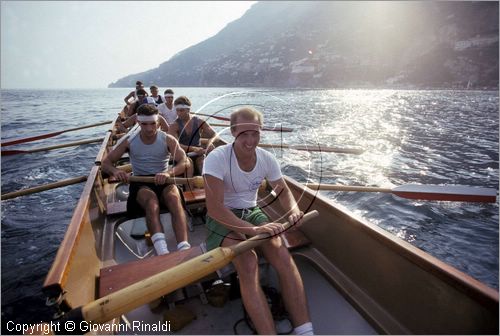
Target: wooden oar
[[48, 135], [42, 149], [315, 148], [264, 128], [214, 115], [44, 187], [309, 148], [423, 192], [211, 116], [147, 290], [196, 181]]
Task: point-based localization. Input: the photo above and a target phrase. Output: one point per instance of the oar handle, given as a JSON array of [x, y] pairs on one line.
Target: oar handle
[[260, 238]]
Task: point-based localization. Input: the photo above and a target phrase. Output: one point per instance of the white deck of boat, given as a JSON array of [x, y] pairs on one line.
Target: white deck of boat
[[330, 312]]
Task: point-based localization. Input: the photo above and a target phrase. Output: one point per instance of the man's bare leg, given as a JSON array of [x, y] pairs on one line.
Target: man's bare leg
[[149, 202], [172, 200], [290, 280], [252, 295]]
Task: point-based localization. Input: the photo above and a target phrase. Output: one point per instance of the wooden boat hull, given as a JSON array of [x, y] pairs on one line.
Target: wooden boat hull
[[396, 287]]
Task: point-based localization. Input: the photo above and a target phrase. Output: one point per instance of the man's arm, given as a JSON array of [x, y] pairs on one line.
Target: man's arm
[[130, 95], [107, 164], [208, 132], [127, 123], [287, 201], [173, 130], [163, 124], [179, 156]]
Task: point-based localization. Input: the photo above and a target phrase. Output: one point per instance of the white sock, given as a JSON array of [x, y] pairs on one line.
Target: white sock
[[183, 245], [160, 243], [305, 329]]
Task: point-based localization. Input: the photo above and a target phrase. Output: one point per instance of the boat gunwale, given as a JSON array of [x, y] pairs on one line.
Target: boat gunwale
[[54, 283], [104, 146], [56, 278]]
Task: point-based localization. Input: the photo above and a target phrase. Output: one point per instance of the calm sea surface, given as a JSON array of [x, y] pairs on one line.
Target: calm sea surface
[[423, 137]]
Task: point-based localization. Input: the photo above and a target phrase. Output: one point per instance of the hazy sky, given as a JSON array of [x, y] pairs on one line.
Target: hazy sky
[[89, 44]]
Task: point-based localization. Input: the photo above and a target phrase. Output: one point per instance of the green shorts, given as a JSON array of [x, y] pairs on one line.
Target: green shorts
[[217, 232]]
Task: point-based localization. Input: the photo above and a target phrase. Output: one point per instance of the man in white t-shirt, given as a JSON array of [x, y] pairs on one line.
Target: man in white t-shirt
[[167, 109], [233, 174]]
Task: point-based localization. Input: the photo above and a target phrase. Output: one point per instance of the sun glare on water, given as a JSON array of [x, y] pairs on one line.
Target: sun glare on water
[[363, 118]]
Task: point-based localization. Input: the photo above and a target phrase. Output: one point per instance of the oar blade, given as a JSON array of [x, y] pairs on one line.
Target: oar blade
[[446, 193]]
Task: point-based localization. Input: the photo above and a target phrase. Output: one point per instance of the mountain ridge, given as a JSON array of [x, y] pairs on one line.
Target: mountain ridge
[[343, 45]]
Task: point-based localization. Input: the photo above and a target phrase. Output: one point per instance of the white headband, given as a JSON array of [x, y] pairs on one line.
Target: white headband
[[146, 118], [168, 95], [182, 106]]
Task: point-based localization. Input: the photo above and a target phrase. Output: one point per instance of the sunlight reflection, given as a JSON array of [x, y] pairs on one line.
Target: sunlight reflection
[[373, 122]]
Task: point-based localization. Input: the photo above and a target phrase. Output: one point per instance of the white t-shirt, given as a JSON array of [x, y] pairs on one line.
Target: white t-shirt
[[169, 114], [240, 187]]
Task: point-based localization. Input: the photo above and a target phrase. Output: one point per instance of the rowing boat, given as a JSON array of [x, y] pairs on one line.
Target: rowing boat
[[359, 279]]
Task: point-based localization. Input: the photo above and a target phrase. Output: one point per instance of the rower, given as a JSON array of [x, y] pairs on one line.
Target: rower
[[133, 94], [167, 109], [123, 126], [159, 99], [132, 120], [150, 151], [233, 174], [188, 130]]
